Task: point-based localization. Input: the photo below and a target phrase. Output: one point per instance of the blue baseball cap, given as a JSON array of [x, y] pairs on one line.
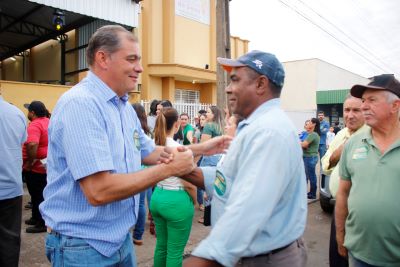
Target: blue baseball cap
[[263, 63]]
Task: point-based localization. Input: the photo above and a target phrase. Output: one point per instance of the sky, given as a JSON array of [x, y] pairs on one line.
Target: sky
[[361, 36]]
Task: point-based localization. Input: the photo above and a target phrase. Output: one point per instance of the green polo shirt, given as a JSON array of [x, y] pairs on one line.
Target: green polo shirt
[[373, 222]]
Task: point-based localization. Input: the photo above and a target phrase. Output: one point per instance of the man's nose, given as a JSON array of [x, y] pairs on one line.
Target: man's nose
[[228, 89]]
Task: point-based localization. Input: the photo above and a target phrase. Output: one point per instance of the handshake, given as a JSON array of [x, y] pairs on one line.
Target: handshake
[[179, 160]]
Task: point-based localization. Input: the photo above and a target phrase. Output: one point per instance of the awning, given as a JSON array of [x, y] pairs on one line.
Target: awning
[[332, 96], [25, 24], [120, 11]]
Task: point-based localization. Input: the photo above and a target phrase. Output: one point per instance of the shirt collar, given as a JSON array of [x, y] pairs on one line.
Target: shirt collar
[[265, 107], [104, 91]]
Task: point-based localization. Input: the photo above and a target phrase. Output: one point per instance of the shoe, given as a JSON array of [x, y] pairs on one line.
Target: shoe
[[137, 242], [28, 206], [201, 220], [36, 229], [31, 221], [311, 197]]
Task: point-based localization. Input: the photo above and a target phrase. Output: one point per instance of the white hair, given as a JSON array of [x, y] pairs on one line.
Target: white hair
[[390, 97]]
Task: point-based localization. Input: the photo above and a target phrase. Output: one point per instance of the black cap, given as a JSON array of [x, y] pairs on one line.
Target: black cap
[[381, 82], [38, 107]]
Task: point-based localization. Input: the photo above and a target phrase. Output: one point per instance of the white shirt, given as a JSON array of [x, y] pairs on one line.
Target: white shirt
[[171, 182]]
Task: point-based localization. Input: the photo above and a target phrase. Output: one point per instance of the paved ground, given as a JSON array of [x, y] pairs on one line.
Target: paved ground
[[316, 237]]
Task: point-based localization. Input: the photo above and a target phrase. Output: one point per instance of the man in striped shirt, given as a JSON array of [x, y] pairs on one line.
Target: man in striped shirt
[[96, 146]]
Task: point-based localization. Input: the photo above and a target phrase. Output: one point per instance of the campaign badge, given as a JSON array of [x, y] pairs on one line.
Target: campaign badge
[[220, 183], [136, 140]]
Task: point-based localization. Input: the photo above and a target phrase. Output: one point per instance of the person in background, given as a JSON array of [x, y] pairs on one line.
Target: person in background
[[329, 137], [197, 119], [214, 127], [197, 137], [151, 119], [141, 220], [336, 127], [354, 121], [303, 135], [187, 129], [199, 128], [34, 171], [12, 137], [310, 155], [324, 128], [172, 202]]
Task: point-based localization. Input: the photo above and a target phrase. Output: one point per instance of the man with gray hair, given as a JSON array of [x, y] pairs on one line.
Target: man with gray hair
[[96, 146], [367, 210]]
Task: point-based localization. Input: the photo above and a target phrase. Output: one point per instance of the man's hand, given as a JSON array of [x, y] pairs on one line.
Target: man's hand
[[179, 162], [342, 250]]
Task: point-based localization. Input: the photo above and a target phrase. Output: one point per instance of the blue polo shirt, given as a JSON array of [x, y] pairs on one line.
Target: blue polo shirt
[[259, 191], [92, 130], [12, 136]]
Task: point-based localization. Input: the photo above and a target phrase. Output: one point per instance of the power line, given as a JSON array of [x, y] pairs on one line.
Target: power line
[[345, 34], [332, 35]]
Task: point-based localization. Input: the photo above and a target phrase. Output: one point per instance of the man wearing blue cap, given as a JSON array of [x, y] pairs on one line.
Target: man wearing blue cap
[[259, 192]]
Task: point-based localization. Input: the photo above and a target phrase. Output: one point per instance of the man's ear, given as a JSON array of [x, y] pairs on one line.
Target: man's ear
[[396, 106], [262, 85], [101, 59]]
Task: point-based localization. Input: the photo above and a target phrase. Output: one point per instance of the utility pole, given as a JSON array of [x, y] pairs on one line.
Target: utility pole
[[223, 49]]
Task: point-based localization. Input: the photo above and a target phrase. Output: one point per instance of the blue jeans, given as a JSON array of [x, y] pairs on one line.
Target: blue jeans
[[67, 251], [141, 220], [354, 262], [200, 193], [322, 150], [309, 166]]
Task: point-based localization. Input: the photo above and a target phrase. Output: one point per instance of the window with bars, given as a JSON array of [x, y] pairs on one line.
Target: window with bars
[[187, 96]]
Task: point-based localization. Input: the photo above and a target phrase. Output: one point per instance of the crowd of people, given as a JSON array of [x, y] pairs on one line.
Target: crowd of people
[[90, 166]]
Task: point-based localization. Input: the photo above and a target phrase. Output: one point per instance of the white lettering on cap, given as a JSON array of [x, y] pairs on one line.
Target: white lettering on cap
[[258, 63]]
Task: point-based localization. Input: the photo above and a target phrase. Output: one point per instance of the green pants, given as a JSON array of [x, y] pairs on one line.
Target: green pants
[[172, 213]]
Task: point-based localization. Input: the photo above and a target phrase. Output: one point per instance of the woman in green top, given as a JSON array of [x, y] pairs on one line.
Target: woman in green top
[[213, 127], [310, 155]]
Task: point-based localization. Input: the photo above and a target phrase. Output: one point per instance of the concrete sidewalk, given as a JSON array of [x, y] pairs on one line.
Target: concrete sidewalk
[[33, 252]]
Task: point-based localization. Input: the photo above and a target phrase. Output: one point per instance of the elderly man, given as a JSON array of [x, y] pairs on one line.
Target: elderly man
[[367, 207], [263, 165], [354, 122], [96, 145], [12, 136]]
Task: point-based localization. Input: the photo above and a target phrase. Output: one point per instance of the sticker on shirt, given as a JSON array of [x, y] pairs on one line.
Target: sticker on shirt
[[136, 139], [220, 183], [360, 153]]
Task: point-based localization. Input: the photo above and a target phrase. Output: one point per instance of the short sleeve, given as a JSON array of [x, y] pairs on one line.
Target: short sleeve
[[208, 129], [34, 133], [311, 138]]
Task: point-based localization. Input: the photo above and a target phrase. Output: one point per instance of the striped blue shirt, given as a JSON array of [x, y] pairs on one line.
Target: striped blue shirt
[[92, 130], [259, 191], [12, 136]]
